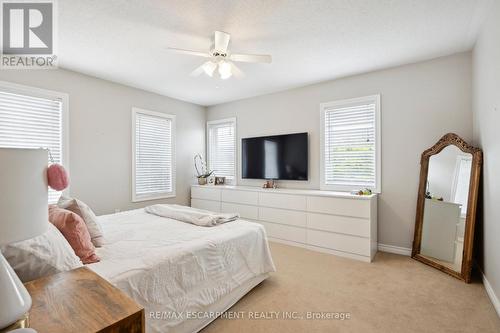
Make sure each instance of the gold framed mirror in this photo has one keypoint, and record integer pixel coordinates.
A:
(446, 206)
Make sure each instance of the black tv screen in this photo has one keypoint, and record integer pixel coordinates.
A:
(282, 157)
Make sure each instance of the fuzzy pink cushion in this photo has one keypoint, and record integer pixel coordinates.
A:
(57, 177)
(75, 231)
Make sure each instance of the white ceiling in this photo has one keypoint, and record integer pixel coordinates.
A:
(126, 40)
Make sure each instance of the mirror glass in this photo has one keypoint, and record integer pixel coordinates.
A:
(445, 207)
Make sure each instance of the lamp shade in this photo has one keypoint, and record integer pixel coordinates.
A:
(24, 194)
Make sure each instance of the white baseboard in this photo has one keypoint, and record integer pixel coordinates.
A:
(404, 251)
(491, 294)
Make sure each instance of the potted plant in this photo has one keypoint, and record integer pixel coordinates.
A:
(202, 171)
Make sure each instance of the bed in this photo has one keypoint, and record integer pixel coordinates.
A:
(184, 275)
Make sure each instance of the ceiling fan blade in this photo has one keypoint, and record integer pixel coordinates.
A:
(190, 52)
(238, 73)
(251, 58)
(221, 41)
(207, 67)
(198, 71)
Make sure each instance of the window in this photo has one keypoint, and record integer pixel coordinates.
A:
(350, 144)
(34, 118)
(221, 148)
(153, 155)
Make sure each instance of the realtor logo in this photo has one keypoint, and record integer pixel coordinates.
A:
(27, 28)
(28, 34)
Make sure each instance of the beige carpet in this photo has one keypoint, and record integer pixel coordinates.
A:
(392, 294)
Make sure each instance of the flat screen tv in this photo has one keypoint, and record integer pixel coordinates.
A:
(282, 157)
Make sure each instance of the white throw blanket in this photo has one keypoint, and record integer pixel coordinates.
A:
(191, 215)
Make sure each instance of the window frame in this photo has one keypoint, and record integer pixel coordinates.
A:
(210, 123)
(21, 89)
(172, 118)
(324, 107)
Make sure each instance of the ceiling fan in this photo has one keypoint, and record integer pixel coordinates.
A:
(221, 59)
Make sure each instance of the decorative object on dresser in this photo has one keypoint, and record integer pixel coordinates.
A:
(23, 215)
(270, 184)
(82, 301)
(332, 222)
(220, 180)
(202, 171)
(446, 206)
(211, 180)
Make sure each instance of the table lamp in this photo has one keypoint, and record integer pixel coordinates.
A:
(23, 215)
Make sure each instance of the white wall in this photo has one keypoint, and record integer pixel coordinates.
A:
(100, 135)
(486, 87)
(420, 103)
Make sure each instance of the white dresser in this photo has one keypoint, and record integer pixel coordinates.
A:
(333, 222)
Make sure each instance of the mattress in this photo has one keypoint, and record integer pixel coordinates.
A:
(175, 269)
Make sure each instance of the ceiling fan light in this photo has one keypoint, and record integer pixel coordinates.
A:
(225, 70)
(226, 76)
(209, 68)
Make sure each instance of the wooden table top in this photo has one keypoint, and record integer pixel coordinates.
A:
(78, 301)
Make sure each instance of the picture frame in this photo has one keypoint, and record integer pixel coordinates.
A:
(211, 181)
(220, 180)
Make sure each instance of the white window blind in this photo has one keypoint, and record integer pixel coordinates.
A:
(222, 148)
(32, 122)
(153, 165)
(350, 144)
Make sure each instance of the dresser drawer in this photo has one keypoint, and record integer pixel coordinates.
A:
(242, 197)
(248, 212)
(283, 216)
(287, 201)
(345, 243)
(206, 193)
(213, 206)
(339, 206)
(343, 224)
(285, 232)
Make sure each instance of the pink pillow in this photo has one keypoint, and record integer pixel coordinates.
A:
(57, 177)
(75, 231)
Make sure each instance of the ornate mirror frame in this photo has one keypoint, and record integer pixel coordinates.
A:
(477, 159)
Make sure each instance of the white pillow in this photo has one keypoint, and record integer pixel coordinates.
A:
(81, 209)
(47, 254)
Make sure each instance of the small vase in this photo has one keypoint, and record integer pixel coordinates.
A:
(202, 181)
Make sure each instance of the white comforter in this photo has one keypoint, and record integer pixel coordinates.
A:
(174, 267)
